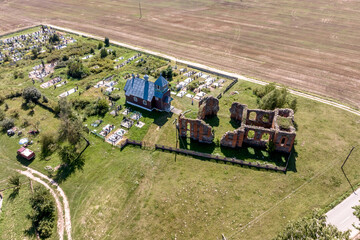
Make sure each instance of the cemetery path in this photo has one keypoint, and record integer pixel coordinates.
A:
(64, 215)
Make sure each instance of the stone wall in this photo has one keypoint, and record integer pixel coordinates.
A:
(198, 129)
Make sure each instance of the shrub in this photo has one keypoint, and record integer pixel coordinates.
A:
(48, 144)
(100, 46)
(54, 39)
(103, 53)
(107, 42)
(76, 69)
(7, 123)
(31, 94)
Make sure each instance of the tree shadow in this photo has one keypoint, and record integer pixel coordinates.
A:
(212, 121)
(65, 171)
(14, 194)
(31, 231)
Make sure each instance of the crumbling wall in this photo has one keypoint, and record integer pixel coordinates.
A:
(233, 139)
(263, 118)
(258, 140)
(208, 106)
(265, 122)
(237, 111)
(198, 129)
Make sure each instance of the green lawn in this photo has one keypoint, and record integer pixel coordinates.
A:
(144, 194)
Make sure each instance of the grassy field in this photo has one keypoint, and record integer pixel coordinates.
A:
(309, 45)
(145, 194)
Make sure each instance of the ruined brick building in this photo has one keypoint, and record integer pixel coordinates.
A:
(257, 127)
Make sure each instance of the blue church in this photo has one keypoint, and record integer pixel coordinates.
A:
(148, 95)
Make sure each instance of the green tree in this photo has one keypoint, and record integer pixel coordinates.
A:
(54, 39)
(103, 53)
(107, 42)
(357, 214)
(313, 227)
(31, 94)
(43, 212)
(7, 123)
(100, 46)
(14, 182)
(48, 144)
(76, 69)
(92, 51)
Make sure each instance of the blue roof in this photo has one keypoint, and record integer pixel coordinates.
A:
(161, 81)
(139, 88)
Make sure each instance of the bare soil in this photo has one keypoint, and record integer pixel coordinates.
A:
(308, 45)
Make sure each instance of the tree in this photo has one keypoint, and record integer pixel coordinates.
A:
(48, 144)
(313, 227)
(100, 46)
(35, 53)
(54, 39)
(103, 53)
(7, 123)
(107, 42)
(43, 212)
(14, 182)
(92, 51)
(31, 94)
(76, 69)
(357, 214)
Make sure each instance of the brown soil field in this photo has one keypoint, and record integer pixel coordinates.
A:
(310, 45)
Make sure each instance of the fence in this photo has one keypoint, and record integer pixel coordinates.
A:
(209, 156)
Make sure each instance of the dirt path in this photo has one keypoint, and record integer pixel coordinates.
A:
(60, 222)
(241, 77)
(63, 208)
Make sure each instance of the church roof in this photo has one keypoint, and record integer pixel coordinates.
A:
(139, 88)
(161, 81)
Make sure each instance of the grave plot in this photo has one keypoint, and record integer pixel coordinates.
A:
(52, 82)
(40, 72)
(116, 137)
(127, 123)
(67, 93)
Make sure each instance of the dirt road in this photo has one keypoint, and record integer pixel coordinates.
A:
(64, 220)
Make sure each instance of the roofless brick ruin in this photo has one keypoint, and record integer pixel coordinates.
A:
(257, 127)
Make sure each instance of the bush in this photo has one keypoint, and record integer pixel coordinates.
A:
(31, 94)
(7, 123)
(48, 144)
(76, 69)
(100, 46)
(107, 42)
(103, 53)
(54, 39)
(100, 108)
(43, 211)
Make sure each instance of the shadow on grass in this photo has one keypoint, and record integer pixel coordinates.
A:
(24, 161)
(235, 124)
(66, 171)
(212, 121)
(292, 161)
(160, 118)
(14, 194)
(30, 232)
(189, 144)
